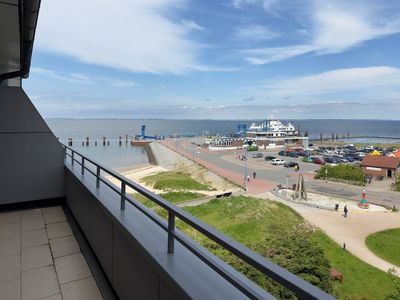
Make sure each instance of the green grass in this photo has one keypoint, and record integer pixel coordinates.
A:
(172, 181)
(385, 244)
(360, 280)
(259, 224)
(173, 197)
(352, 174)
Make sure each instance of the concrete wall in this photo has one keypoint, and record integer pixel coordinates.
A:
(31, 159)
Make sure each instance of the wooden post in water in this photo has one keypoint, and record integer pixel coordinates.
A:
(333, 136)
(126, 138)
(87, 141)
(320, 136)
(104, 140)
(83, 143)
(108, 143)
(120, 141)
(337, 136)
(95, 143)
(348, 133)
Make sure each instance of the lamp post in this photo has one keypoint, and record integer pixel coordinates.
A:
(245, 169)
(326, 175)
(287, 181)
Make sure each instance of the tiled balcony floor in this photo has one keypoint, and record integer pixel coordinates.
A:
(41, 259)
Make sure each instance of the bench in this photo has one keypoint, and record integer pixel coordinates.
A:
(219, 196)
(336, 275)
(227, 194)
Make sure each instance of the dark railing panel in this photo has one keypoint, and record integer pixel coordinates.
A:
(300, 287)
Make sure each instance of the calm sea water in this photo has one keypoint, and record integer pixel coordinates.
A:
(126, 155)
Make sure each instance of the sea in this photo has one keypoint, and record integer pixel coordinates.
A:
(126, 156)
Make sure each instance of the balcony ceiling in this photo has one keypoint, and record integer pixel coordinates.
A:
(17, 30)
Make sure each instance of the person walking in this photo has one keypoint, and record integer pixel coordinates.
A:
(345, 210)
(248, 178)
(254, 175)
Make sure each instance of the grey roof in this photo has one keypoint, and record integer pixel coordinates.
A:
(18, 19)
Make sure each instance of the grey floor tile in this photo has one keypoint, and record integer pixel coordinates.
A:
(10, 217)
(7, 230)
(31, 213)
(52, 209)
(57, 230)
(34, 238)
(39, 283)
(54, 217)
(71, 267)
(10, 268)
(10, 245)
(55, 297)
(32, 223)
(82, 289)
(64, 246)
(10, 290)
(36, 257)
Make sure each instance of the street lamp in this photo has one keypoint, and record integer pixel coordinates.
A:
(245, 169)
(326, 175)
(287, 181)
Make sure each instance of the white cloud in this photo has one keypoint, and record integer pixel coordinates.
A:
(82, 78)
(190, 24)
(267, 4)
(336, 26)
(72, 77)
(255, 32)
(133, 35)
(371, 82)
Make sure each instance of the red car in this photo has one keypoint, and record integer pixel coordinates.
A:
(318, 161)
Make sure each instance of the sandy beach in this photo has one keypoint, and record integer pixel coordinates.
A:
(165, 159)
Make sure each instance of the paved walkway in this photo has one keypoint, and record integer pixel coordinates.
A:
(352, 230)
(41, 259)
(254, 186)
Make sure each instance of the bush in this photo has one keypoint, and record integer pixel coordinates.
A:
(344, 172)
(395, 295)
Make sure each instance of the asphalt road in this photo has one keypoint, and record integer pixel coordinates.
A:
(280, 175)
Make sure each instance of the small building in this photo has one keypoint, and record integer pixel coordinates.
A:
(376, 165)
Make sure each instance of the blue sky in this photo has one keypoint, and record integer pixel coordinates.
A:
(226, 59)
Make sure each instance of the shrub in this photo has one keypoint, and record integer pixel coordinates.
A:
(343, 171)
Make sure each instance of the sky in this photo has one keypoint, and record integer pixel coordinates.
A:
(217, 59)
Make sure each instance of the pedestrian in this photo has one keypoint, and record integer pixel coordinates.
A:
(298, 168)
(254, 175)
(345, 211)
(248, 178)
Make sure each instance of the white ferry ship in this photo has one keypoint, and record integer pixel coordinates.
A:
(271, 128)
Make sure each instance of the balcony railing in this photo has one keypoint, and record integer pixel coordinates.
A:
(298, 286)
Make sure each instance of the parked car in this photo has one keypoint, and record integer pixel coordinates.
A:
(269, 157)
(318, 161)
(308, 159)
(281, 153)
(293, 154)
(290, 164)
(258, 155)
(278, 161)
(349, 158)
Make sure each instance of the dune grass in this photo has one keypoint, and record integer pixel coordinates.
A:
(386, 244)
(175, 181)
(261, 224)
(360, 280)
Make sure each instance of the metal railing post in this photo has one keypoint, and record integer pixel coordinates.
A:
(97, 177)
(123, 192)
(83, 165)
(72, 156)
(171, 231)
